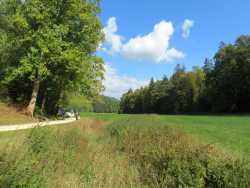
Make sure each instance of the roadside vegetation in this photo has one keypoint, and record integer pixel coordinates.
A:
(125, 151)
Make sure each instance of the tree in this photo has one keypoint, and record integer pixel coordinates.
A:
(179, 94)
(222, 85)
(124, 102)
(228, 81)
(51, 41)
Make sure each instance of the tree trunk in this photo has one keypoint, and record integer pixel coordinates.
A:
(43, 103)
(32, 104)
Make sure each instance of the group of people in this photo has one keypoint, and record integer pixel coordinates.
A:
(73, 113)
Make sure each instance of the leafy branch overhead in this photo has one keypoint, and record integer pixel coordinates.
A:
(51, 41)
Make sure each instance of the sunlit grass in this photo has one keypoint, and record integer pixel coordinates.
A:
(112, 150)
(228, 132)
(9, 116)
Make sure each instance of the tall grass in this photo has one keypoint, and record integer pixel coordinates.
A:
(76, 155)
(166, 157)
(44, 159)
(134, 151)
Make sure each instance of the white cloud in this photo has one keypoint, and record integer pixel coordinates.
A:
(186, 28)
(111, 37)
(152, 47)
(116, 84)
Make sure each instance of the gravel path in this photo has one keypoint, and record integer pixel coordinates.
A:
(4, 128)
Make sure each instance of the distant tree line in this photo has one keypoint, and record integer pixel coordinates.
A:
(222, 85)
(99, 104)
(105, 104)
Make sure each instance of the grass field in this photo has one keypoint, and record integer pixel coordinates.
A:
(228, 132)
(104, 116)
(137, 151)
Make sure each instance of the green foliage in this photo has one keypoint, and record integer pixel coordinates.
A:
(105, 104)
(99, 104)
(222, 85)
(77, 102)
(179, 94)
(53, 42)
(228, 82)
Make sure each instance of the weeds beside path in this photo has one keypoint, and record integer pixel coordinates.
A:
(75, 155)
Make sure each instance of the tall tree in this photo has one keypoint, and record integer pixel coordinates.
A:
(229, 79)
(52, 41)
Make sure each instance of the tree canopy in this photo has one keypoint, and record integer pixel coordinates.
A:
(48, 48)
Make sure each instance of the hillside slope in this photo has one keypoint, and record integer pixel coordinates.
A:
(10, 115)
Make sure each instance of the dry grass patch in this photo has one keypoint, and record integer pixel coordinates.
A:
(10, 115)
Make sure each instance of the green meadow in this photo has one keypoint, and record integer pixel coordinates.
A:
(228, 132)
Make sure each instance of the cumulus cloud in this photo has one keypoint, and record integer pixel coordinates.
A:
(186, 28)
(116, 84)
(113, 39)
(153, 47)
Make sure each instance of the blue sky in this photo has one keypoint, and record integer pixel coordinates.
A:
(148, 40)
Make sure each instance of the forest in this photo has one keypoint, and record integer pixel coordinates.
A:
(222, 85)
